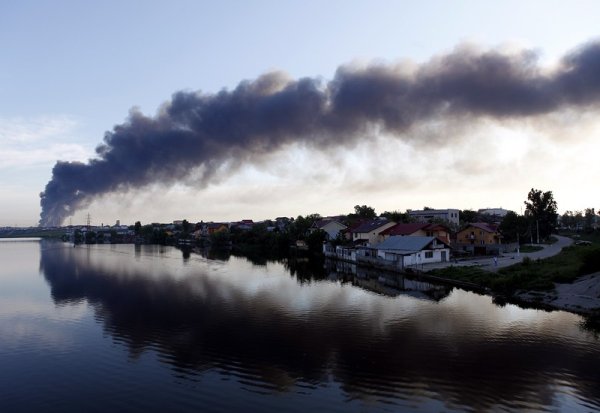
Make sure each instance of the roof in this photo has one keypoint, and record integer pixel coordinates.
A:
(371, 225)
(483, 226)
(432, 211)
(323, 222)
(214, 225)
(411, 228)
(409, 244)
(405, 229)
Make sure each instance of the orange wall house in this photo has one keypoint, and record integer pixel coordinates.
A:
(479, 233)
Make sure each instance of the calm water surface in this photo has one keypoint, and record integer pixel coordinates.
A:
(145, 328)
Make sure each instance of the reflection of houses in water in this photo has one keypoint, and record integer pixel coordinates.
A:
(397, 253)
(385, 283)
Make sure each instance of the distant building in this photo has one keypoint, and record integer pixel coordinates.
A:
(243, 225)
(499, 212)
(431, 215)
(211, 228)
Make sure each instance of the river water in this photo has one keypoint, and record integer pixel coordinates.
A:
(148, 328)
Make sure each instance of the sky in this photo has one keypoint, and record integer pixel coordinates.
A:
(72, 70)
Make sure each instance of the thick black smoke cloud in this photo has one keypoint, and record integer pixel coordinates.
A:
(204, 133)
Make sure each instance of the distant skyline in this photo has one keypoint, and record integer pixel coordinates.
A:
(70, 71)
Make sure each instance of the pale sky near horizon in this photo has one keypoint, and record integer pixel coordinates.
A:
(71, 70)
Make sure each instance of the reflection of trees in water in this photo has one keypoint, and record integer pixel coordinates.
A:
(201, 323)
(591, 323)
(220, 254)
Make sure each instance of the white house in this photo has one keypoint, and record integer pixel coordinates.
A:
(408, 252)
(331, 227)
(339, 252)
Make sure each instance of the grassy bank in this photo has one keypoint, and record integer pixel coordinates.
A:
(530, 248)
(32, 233)
(565, 267)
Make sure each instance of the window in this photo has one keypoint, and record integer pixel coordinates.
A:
(428, 254)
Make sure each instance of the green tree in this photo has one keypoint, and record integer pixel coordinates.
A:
(137, 227)
(468, 216)
(78, 236)
(90, 237)
(396, 216)
(185, 227)
(590, 216)
(299, 228)
(513, 227)
(315, 241)
(364, 211)
(541, 212)
(567, 219)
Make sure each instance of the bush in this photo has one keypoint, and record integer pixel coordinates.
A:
(591, 261)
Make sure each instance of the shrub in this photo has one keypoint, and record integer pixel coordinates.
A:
(591, 261)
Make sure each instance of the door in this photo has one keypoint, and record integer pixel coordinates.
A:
(444, 258)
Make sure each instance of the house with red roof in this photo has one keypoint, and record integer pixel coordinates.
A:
(417, 229)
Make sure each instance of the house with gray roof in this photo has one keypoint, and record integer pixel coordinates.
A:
(369, 231)
(407, 252)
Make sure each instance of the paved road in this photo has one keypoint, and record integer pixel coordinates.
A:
(506, 259)
(549, 250)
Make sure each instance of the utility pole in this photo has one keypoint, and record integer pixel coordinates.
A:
(530, 234)
(89, 220)
(537, 223)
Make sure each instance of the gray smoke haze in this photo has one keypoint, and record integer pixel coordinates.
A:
(203, 132)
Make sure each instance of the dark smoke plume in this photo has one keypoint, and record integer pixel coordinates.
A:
(202, 133)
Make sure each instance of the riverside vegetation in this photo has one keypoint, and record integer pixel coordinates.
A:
(565, 267)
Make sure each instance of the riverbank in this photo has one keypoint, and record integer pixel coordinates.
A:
(557, 277)
(582, 296)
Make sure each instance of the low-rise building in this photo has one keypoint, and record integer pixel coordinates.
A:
(479, 238)
(431, 215)
(417, 229)
(410, 252)
(214, 227)
(368, 232)
(498, 212)
(331, 227)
